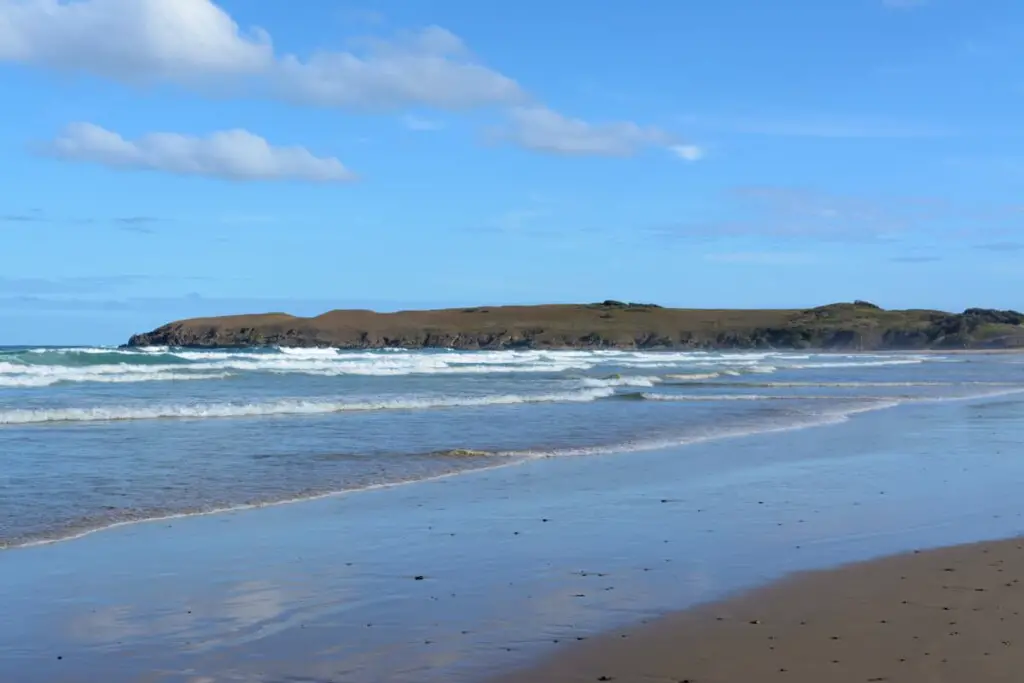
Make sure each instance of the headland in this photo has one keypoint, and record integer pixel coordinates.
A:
(858, 326)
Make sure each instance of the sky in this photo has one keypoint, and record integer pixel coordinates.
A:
(162, 159)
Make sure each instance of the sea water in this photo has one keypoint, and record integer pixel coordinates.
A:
(94, 437)
(593, 491)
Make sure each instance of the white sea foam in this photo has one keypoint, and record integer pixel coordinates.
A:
(622, 381)
(829, 416)
(994, 392)
(282, 407)
(854, 385)
(404, 367)
(703, 398)
(50, 380)
(25, 375)
(695, 376)
(309, 352)
(65, 350)
(43, 367)
(861, 364)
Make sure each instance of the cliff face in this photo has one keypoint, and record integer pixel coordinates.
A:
(611, 324)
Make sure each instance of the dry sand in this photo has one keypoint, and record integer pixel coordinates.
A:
(952, 615)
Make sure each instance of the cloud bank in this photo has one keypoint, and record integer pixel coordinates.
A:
(197, 43)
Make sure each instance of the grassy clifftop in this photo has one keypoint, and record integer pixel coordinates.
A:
(609, 324)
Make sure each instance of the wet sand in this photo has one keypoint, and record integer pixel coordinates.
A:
(950, 615)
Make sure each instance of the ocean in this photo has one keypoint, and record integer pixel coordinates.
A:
(499, 505)
(94, 437)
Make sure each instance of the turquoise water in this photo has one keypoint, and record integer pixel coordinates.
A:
(91, 437)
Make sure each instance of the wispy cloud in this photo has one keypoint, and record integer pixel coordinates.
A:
(687, 152)
(163, 309)
(40, 216)
(762, 258)
(31, 286)
(232, 154)
(817, 126)
(1004, 247)
(138, 220)
(915, 258)
(517, 220)
(355, 15)
(21, 218)
(419, 123)
(196, 43)
(806, 214)
(143, 225)
(541, 129)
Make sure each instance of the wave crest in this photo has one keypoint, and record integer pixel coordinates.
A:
(282, 407)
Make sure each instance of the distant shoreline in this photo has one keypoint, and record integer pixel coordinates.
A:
(847, 327)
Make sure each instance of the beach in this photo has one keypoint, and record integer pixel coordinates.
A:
(483, 573)
(525, 342)
(952, 614)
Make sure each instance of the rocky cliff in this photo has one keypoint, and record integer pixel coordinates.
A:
(610, 324)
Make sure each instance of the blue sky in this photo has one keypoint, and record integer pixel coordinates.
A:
(169, 158)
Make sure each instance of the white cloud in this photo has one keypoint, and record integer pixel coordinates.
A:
(198, 45)
(687, 152)
(231, 154)
(131, 40)
(196, 42)
(431, 67)
(419, 123)
(544, 130)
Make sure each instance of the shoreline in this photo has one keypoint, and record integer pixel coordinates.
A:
(947, 614)
(515, 458)
(459, 579)
(824, 351)
(234, 509)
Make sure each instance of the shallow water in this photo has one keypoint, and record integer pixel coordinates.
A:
(514, 561)
(92, 437)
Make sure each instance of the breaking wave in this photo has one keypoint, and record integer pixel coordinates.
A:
(861, 364)
(41, 367)
(706, 398)
(46, 380)
(281, 407)
(620, 381)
